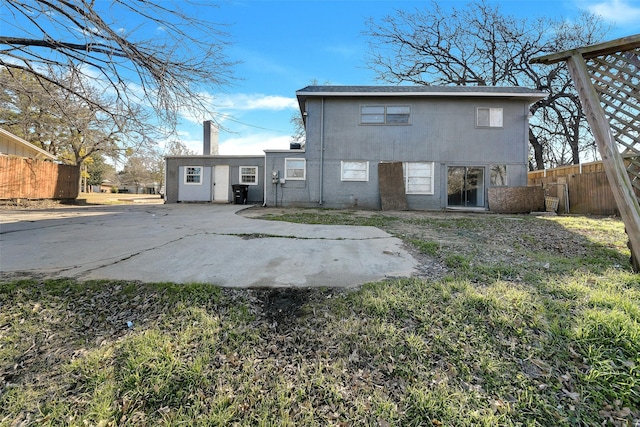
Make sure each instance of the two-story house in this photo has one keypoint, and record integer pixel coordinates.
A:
(454, 143)
(451, 143)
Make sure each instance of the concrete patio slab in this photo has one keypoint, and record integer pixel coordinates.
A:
(185, 243)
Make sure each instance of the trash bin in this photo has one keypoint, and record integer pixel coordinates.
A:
(240, 193)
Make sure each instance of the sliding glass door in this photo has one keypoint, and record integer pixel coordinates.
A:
(465, 186)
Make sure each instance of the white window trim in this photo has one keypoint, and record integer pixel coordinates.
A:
(492, 112)
(201, 174)
(406, 179)
(304, 169)
(240, 175)
(342, 178)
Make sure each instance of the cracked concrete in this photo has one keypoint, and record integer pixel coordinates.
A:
(185, 243)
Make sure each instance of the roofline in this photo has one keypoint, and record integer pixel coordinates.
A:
(427, 94)
(28, 145)
(214, 156)
(284, 150)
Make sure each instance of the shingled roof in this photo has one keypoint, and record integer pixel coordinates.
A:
(421, 91)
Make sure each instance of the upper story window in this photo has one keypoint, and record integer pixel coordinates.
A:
(295, 169)
(385, 114)
(249, 175)
(489, 117)
(193, 175)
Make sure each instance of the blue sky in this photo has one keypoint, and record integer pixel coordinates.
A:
(284, 45)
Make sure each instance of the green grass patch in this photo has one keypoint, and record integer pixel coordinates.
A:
(538, 327)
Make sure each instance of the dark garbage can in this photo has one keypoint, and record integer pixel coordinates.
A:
(240, 193)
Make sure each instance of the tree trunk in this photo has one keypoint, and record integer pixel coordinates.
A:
(537, 150)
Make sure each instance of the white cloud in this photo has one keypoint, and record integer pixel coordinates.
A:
(619, 11)
(250, 145)
(232, 106)
(254, 144)
(245, 102)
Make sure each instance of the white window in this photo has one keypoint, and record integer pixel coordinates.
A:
(418, 177)
(381, 114)
(354, 171)
(193, 175)
(249, 175)
(489, 117)
(498, 175)
(295, 169)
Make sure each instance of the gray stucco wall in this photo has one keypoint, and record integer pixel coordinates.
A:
(174, 182)
(440, 130)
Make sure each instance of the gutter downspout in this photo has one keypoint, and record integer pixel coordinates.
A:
(321, 150)
(264, 193)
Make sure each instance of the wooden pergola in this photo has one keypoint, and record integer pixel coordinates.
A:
(607, 78)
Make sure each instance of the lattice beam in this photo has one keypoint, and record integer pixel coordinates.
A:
(607, 78)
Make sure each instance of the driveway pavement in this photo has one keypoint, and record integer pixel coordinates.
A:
(185, 243)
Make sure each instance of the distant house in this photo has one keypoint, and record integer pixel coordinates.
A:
(29, 172)
(12, 145)
(452, 145)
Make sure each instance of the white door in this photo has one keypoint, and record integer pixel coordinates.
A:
(221, 183)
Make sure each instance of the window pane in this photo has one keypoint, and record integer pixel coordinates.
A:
(193, 175)
(355, 171)
(398, 114)
(375, 109)
(248, 174)
(495, 119)
(483, 117)
(372, 114)
(295, 164)
(398, 109)
(295, 168)
(419, 178)
(397, 118)
(498, 175)
(372, 118)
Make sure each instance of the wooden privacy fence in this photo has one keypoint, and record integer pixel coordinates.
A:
(22, 178)
(565, 170)
(588, 191)
(578, 193)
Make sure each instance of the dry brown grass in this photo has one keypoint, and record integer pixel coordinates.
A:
(118, 198)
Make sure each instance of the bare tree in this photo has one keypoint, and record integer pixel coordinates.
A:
(64, 124)
(299, 134)
(159, 54)
(478, 45)
(176, 147)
